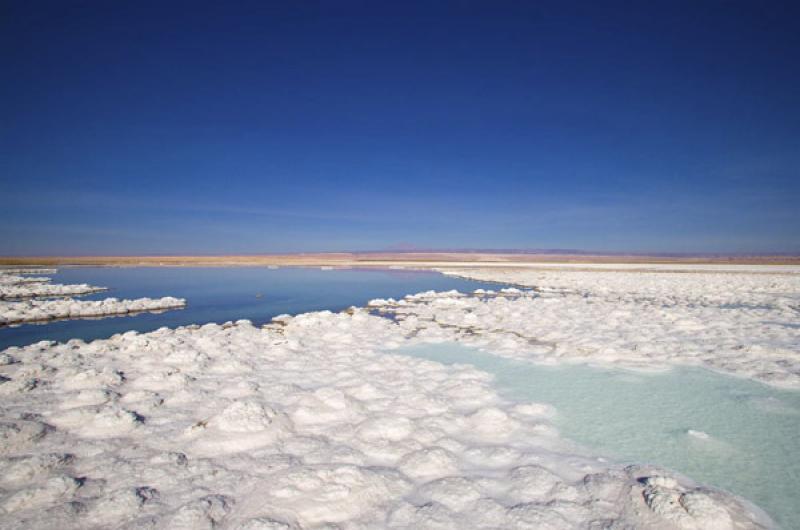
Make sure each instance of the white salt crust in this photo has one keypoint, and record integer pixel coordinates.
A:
(740, 323)
(305, 423)
(14, 279)
(27, 270)
(634, 267)
(43, 310)
(45, 290)
(15, 287)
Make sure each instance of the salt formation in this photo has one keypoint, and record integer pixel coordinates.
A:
(662, 267)
(13, 287)
(43, 310)
(305, 423)
(27, 270)
(45, 290)
(13, 279)
(742, 324)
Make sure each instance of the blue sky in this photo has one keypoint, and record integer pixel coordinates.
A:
(136, 127)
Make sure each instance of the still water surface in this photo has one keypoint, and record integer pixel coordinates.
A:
(219, 294)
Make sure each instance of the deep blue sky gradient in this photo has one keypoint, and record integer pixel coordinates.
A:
(169, 127)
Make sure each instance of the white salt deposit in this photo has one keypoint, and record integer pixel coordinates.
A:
(305, 424)
(14, 287)
(43, 310)
(744, 324)
(42, 290)
(698, 434)
(662, 267)
(26, 270)
(13, 279)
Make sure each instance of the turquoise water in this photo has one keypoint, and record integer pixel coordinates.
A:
(219, 294)
(753, 444)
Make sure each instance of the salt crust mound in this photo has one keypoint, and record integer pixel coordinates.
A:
(306, 423)
(13, 279)
(42, 310)
(741, 323)
(41, 289)
(13, 286)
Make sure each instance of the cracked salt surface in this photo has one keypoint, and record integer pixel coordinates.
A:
(730, 432)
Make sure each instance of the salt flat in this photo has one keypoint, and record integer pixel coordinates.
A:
(301, 425)
(741, 323)
(307, 423)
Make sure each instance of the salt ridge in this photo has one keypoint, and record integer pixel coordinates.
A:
(15, 287)
(44, 310)
(45, 290)
(13, 279)
(16, 306)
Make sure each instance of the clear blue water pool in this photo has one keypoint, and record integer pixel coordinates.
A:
(219, 294)
(729, 432)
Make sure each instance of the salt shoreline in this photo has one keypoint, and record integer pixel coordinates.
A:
(44, 310)
(26, 270)
(46, 290)
(13, 279)
(18, 304)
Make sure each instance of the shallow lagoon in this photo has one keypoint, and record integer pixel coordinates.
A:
(732, 433)
(219, 294)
